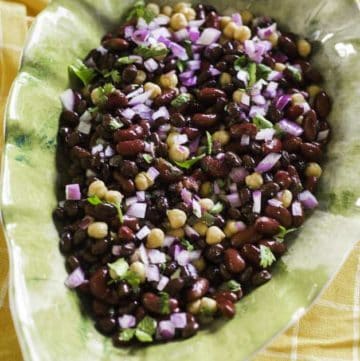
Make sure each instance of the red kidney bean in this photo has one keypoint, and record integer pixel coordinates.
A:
(310, 125)
(127, 185)
(217, 168)
(214, 253)
(152, 302)
(278, 248)
(99, 308)
(212, 20)
(311, 184)
(293, 112)
(231, 296)
(281, 214)
(123, 290)
(251, 253)
(116, 44)
(269, 190)
(311, 151)
(175, 286)
(130, 147)
(99, 247)
(131, 133)
(293, 173)
(226, 307)
(272, 146)
(203, 120)
(190, 329)
(168, 172)
(192, 133)
(233, 261)
(238, 130)
(298, 220)
(260, 278)
(165, 98)
(80, 153)
(126, 234)
(106, 325)
(69, 118)
(291, 144)
(287, 46)
(210, 94)
(267, 226)
(198, 289)
(322, 104)
(283, 179)
(115, 100)
(132, 223)
(248, 235)
(98, 283)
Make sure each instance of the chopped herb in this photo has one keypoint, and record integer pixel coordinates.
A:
(295, 72)
(232, 286)
(181, 65)
(150, 52)
(143, 336)
(176, 274)
(82, 72)
(221, 183)
(148, 158)
(126, 60)
(218, 208)
(209, 142)
(165, 304)
(283, 232)
(100, 95)
(93, 110)
(261, 122)
(118, 269)
(262, 71)
(114, 124)
(187, 244)
(251, 69)
(147, 325)
(133, 279)
(278, 131)
(141, 11)
(190, 162)
(94, 200)
(208, 218)
(114, 75)
(267, 258)
(188, 48)
(127, 334)
(181, 99)
(240, 63)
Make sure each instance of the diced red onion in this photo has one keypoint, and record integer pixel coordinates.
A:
(152, 273)
(234, 199)
(190, 232)
(84, 127)
(109, 151)
(153, 173)
(181, 35)
(86, 117)
(183, 258)
(128, 31)
(135, 93)
(217, 189)
(85, 222)
(257, 87)
(194, 65)
(196, 208)
(127, 321)
(116, 250)
(245, 100)
(264, 33)
(186, 196)
(137, 210)
(196, 23)
(131, 200)
(76, 278)
(209, 36)
(213, 71)
(237, 19)
(166, 330)
(68, 99)
(265, 134)
(243, 76)
(240, 226)
(169, 240)
(190, 82)
(140, 196)
(161, 32)
(151, 65)
(275, 76)
(143, 255)
(164, 40)
(97, 148)
(233, 187)
(149, 148)
(270, 90)
(143, 111)
(305, 107)
(186, 75)
(257, 110)
(194, 34)
(283, 101)
(256, 50)
(274, 202)
(179, 319)
(155, 256)
(162, 112)
(183, 89)
(290, 127)
(143, 232)
(72, 192)
(162, 19)
(194, 145)
(245, 140)
(257, 201)
(308, 200)
(141, 23)
(268, 162)
(179, 51)
(323, 135)
(140, 36)
(238, 174)
(128, 113)
(139, 99)
(162, 283)
(296, 209)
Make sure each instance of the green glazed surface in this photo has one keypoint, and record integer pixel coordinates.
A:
(48, 319)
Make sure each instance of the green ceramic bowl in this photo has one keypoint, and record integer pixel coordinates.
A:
(47, 316)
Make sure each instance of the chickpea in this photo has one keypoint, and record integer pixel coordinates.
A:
(200, 264)
(169, 80)
(178, 21)
(139, 269)
(313, 170)
(237, 95)
(142, 181)
(221, 136)
(190, 14)
(224, 20)
(280, 67)
(304, 48)
(274, 38)
(214, 235)
(140, 77)
(313, 90)
(225, 79)
(297, 98)
(96, 96)
(177, 218)
(155, 238)
(205, 189)
(177, 233)
(97, 188)
(254, 180)
(154, 8)
(114, 197)
(200, 228)
(167, 10)
(97, 230)
(179, 7)
(179, 153)
(229, 29)
(153, 88)
(246, 16)
(286, 198)
(206, 203)
(194, 307)
(208, 305)
(163, 56)
(242, 33)
(231, 228)
(171, 139)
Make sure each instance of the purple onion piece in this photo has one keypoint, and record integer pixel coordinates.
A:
(166, 330)
(68, 99)
(308, 200)
(290, 127)
(179, 320)
(72, 192)
(127, 321)
(268, 162)
(76, 278)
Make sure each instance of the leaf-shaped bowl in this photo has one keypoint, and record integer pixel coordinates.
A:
(47, 316)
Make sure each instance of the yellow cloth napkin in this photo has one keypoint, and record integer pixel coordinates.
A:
(328, 332)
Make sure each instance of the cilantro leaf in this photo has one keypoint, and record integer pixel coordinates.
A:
(232, 286)
(240, 62)
(181, 65)
(147, 325)
(143, 336)
(148, 158)
(261, 122)
(295, 72)
(218, 208)
(94, 200)
(267, 258)
(164, 303)
(180, 100)
(120, 213)
(114, 75)
(188, 48)
(190, 162)
(251, 69)
(82, 72)
(114, 124)
(118, 269)
(209, 142)
(132, 278)
(262, 71)
(126, 60)
(187, 244)
(208, 218)
(140, 11)
(283, 232)
(127, 334)
(150, 52)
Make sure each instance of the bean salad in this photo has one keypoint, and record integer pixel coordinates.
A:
(189, 147)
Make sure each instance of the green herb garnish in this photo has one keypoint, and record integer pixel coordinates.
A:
(190, 162)
(295, 72)
(114, 75)
(231, 286)
(240, 63)
(151, 52)
(261, 122)
(165, 304)
(209, 142)
(188, 48)
(82, 72)
(218, 208)
(127, 334)
(120, 213)
(187, 244)
(181, 65)
(262, 71)
(283, 232)
(267, 258)
(126, 60)
(251, 69)
(94, 200)
(208, 218)
(114, 124)
(118, 269)
(148, 158)
(141, 11)
(147, 325)
(180, 100)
